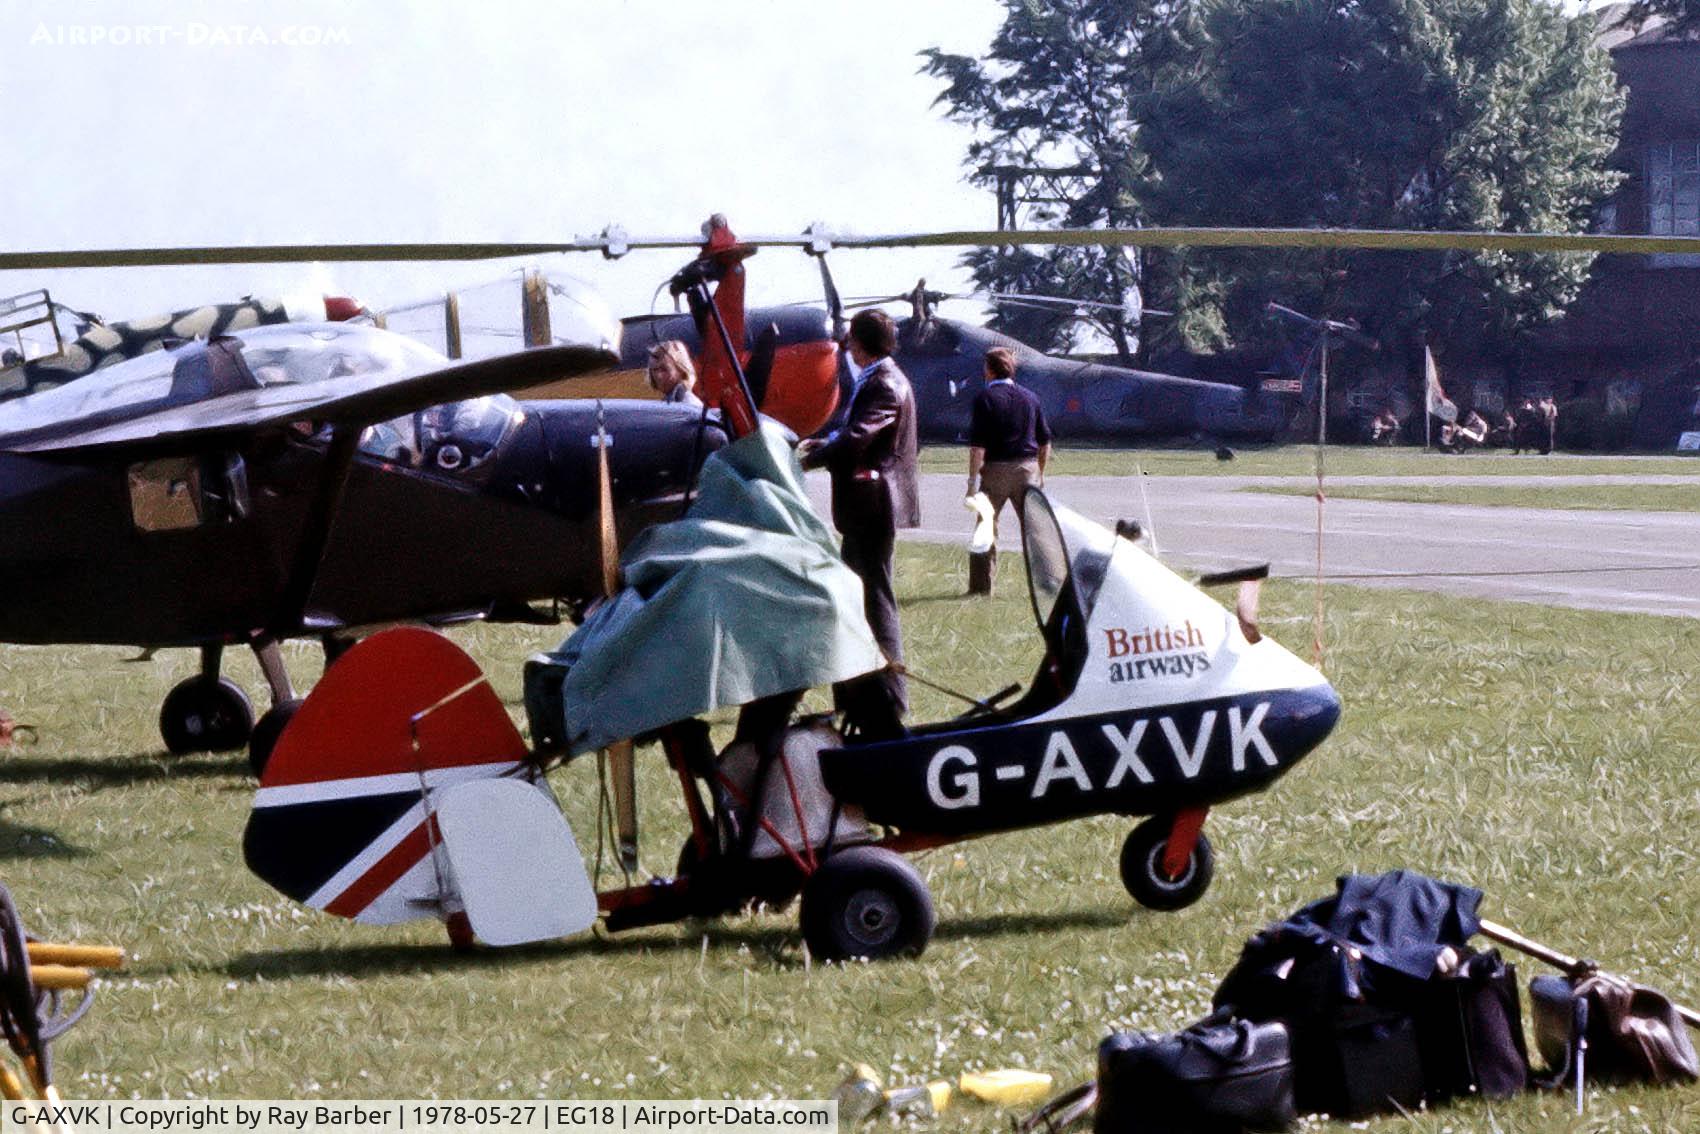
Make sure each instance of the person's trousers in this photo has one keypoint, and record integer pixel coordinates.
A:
(869, 554)
(1001, 481)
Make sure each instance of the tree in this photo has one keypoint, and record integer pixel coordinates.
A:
(1396, 114)
(1063, 86)
(1428, 114)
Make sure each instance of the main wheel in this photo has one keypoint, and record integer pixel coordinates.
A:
(272, 723)
(205, 715)
(866, 902)
(1143, 874)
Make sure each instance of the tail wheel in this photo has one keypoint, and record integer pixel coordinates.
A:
(272, 723)
(1145, 878)
(204, 714)
(866, 902)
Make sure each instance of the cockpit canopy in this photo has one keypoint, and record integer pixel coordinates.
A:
(259, 359)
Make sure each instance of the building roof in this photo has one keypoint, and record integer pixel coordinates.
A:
(1616, 35)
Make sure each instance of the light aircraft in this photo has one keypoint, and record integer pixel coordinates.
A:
(213, 480)
(309, 478)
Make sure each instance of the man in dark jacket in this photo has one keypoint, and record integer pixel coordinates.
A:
(874, 490)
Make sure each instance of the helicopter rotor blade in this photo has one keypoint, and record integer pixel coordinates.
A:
(613, 242)
(834, 304)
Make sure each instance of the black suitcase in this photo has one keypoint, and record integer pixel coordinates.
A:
(1220, 1076)
(1353, 1054)
(1470, 1027)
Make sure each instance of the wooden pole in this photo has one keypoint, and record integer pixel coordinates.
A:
(622, 755)
(1571, 966)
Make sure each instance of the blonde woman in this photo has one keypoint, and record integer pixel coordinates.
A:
(672, 375)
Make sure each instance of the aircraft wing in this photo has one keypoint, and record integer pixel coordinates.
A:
(354, 399)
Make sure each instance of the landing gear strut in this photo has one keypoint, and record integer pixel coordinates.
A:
(284, 702)
(211, 713)
(1167, 863)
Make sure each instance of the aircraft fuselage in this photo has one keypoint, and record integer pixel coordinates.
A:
(163, 553)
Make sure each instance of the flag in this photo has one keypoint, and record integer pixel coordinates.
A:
(1439, 405)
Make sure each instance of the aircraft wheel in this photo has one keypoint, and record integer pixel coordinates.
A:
(201, 715)
(1142, 868)
(272, 723)
(866, 902)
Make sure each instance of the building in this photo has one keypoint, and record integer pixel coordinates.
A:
(1624, 358)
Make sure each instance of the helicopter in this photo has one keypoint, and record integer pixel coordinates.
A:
(943, 359)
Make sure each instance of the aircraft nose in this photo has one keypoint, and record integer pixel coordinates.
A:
(1308, 716)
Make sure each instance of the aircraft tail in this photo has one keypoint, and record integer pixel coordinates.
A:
(401, 790)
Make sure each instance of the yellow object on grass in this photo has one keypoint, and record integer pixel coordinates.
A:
(1009, 1086)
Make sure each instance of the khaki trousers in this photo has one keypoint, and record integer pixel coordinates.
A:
(1002, 482)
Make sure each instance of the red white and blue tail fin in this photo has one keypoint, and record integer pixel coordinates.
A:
(358, 811)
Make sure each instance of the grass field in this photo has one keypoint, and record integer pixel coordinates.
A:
(1548, 756)
(1580, 497)
(1342, 460)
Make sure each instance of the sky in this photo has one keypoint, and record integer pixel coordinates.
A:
(174, 122)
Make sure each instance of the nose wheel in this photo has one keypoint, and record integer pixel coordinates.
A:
(205, 714)
(1158, 879)
(866, 902)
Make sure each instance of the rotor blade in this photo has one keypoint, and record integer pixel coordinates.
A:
(307, 253)
(1064, 301)
(834, 303)
(1383, 239)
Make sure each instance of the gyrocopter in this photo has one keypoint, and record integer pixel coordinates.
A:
(401, 789)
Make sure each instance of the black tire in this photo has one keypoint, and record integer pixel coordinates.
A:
(272, 723)
(201, 715)
(866, 902)
(1142, 868)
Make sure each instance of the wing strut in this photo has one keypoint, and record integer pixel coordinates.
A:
(291, 617)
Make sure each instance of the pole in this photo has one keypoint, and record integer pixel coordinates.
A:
(1316, 644)
(622, 765)
(1570, 966)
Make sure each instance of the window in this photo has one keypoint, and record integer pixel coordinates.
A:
(1673, 197)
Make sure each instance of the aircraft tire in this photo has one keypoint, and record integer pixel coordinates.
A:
(201, 715)
(866, 903)
(1142, 868)
(272, 723)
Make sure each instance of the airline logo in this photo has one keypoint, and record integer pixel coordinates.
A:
(1155, 651)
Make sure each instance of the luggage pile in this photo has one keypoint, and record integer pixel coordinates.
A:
(1372, 1002)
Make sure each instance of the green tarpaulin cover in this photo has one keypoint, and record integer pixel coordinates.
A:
(743, 598)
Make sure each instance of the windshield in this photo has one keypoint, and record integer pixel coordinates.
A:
(281, 355)
(1047, 555)
(460, 438)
